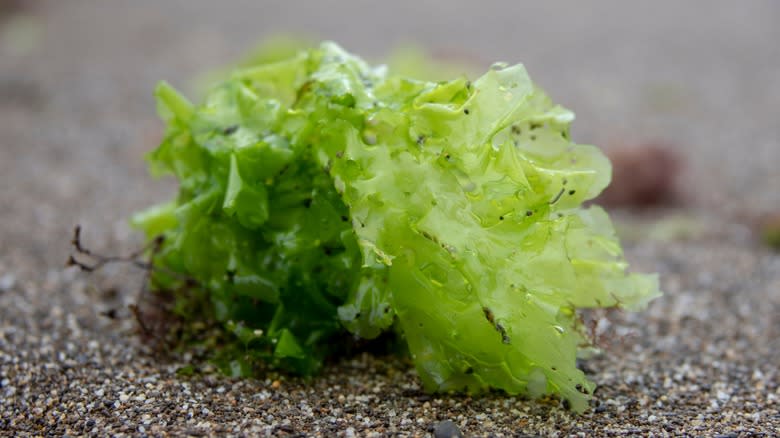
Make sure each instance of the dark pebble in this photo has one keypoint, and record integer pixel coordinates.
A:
(447, 429)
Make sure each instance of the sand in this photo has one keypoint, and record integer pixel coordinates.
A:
(76, 116)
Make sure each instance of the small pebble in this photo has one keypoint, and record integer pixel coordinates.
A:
(7, 282)
(447, 429)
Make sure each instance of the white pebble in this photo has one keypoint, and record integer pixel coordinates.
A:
(7, 282)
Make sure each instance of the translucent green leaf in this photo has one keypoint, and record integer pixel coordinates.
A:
(322, 199)
(249, 202)
(287, 346)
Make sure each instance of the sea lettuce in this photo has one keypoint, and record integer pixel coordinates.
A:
(323, 199)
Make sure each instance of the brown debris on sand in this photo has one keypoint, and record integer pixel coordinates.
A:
(643, 176)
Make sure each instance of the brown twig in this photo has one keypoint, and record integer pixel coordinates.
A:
(100, 260)
(97, 261)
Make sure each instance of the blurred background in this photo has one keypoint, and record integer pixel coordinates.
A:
(76, 81)
(684, 96)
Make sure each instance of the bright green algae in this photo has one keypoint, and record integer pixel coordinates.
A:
(321, 197)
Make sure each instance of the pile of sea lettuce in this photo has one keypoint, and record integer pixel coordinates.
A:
(323, 199)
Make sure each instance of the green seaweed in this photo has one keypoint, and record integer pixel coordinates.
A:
(322, 199)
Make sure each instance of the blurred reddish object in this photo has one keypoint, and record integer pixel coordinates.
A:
(642, 176)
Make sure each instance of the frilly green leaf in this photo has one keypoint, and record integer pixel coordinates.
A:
(321, 195)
